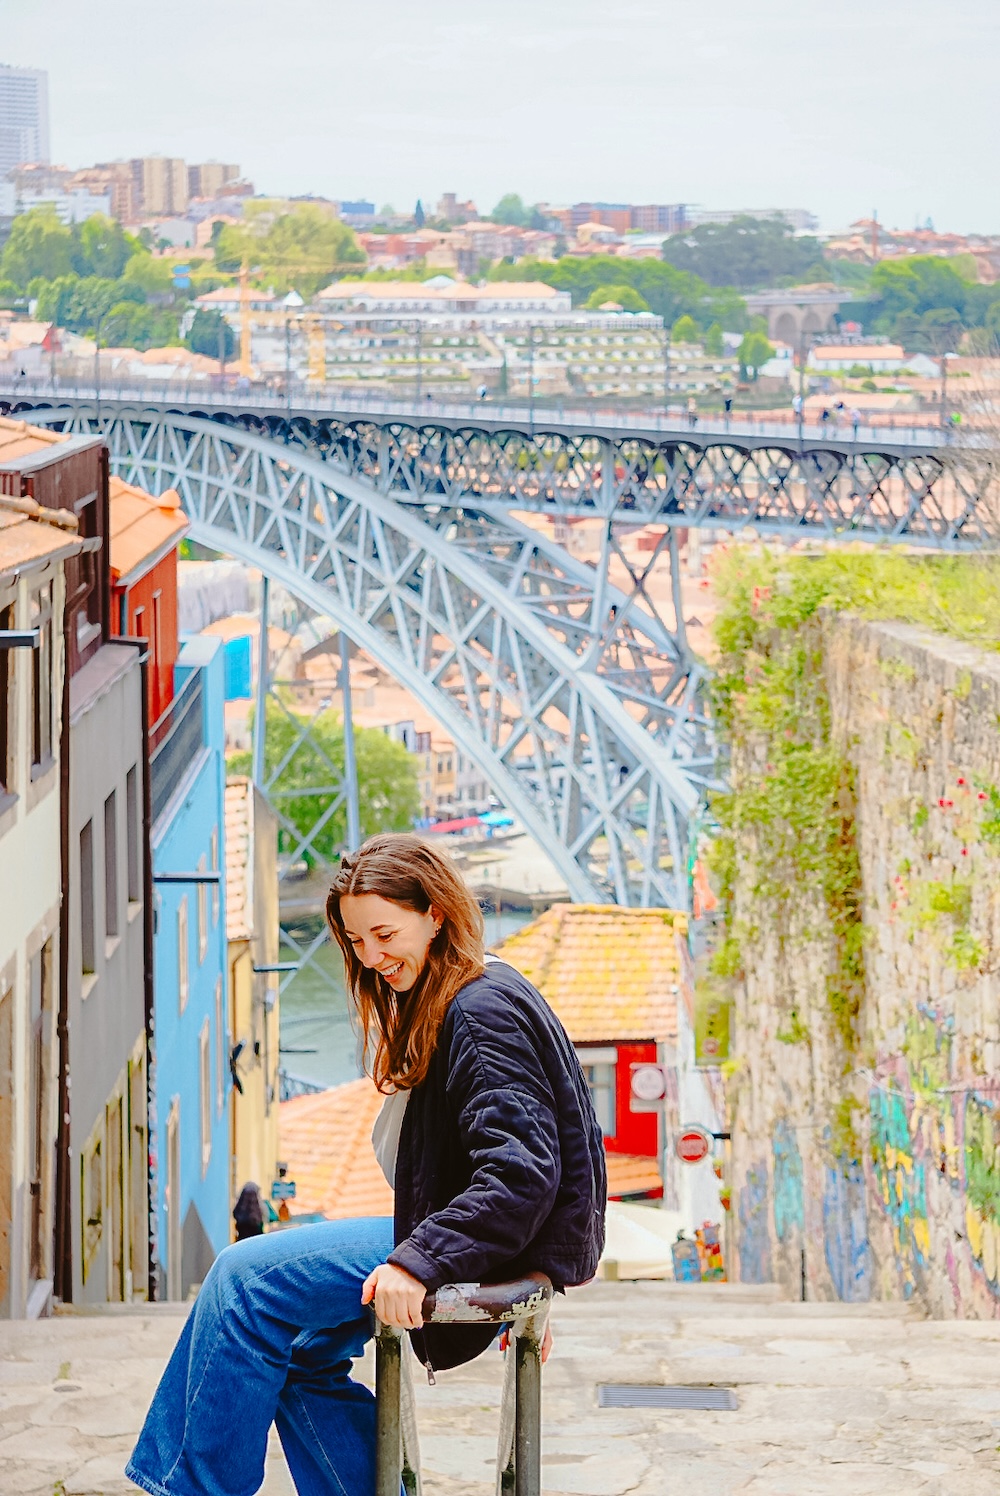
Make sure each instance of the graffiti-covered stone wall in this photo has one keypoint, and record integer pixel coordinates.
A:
(866, 1154)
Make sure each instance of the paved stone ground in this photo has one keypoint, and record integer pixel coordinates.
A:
(833, 1399)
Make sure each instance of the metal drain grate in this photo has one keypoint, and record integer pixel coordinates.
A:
(630, 1395)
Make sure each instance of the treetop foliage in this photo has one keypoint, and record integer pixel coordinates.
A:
(667, 291)
(303, 247)
(748, 253)
(388, 794)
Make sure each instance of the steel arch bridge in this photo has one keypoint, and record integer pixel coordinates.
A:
(580, 703)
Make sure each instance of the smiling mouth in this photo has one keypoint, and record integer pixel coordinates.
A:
(391, 971)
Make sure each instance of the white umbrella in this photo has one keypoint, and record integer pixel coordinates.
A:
(638, 1241)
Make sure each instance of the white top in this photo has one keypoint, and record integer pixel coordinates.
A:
(389, 1122)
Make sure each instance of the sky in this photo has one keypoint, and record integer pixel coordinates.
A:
(846, 108)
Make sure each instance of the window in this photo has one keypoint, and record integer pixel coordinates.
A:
(214, 844)
(41, 678)
(134, 862)
(205, 1071)
(202, 912)
(6, 724)
(111, 866)
(88, 939)
(599, 1068)
(220, 1049)
(182, 953)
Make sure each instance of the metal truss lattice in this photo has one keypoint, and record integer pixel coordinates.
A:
(578, 701)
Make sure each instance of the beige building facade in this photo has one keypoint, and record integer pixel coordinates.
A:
(251, 843)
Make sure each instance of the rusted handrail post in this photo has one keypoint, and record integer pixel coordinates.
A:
(525, 1304)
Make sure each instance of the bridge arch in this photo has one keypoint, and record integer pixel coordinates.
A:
(577, 703)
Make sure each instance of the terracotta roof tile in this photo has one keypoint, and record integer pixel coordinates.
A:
(610, 974)
(631, 1174)
(143, 528)
(326, 1140)
(25, 541)
(18, 439)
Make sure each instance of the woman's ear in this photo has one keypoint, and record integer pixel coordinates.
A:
(437, 916)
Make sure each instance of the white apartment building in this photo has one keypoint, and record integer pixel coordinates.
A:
(32, 598)
(24, 117)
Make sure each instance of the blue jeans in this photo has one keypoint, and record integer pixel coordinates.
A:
(270, 1340)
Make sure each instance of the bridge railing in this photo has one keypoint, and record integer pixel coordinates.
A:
(215, 394)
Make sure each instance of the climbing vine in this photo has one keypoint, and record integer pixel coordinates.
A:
(787, 843)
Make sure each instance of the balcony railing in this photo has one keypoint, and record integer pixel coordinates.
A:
(175, 740)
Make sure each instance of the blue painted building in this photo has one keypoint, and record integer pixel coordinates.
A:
(189, 1121)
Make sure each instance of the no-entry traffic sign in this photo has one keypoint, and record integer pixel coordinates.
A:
(692, 1144)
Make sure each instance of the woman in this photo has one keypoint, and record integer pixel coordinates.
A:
(490, 1138)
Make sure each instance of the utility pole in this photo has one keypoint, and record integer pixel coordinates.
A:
(260, 709)
(531, 380)
(420, 366)
(666, 370)
(350, 757)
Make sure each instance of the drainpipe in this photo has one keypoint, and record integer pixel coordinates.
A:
(63, 1242)
(142, 645)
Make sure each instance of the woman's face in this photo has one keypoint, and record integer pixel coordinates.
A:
(388, 938)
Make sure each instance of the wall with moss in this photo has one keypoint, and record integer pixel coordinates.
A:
(859, 863)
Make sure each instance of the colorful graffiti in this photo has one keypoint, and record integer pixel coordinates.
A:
(982, 1187)
(902, 1184)
(789, 1207)
(845, 1232)
(755, 1237)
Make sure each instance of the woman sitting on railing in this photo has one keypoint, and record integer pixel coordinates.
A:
(490, 1138)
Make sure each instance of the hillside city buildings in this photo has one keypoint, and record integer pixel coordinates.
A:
(121, 977)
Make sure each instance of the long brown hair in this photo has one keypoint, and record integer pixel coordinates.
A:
(401, 1029)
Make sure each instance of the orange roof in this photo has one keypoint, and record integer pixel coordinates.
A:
(631, 1174)
(610, 974)
(143, 529)
(26, 542)
(326, 1140)
(18, 439)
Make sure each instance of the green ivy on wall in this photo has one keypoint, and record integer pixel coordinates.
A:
(788, 819)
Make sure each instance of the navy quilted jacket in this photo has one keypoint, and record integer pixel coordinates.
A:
(501, 1163)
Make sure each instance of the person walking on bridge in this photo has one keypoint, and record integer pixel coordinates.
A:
(489, 1136)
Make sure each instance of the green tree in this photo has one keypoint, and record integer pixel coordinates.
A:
(101, 247)
(713, 344)
(388, 793)
(685, 330)
(749, 253)
(627, 297)
(39, 245)
(511, 209)
(304, 247)
(667, 291)
(150, 277)
(206, 330)
(754, 352)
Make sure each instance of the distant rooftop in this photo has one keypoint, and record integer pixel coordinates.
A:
(610, 974)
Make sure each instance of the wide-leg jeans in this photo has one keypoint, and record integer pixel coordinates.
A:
(270, 1340)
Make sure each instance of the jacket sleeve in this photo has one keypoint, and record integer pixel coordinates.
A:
(507, 1124)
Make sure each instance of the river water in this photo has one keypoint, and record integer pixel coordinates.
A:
(317, 1041)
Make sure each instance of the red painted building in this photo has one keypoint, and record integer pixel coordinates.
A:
(613, 976)
(145, 534)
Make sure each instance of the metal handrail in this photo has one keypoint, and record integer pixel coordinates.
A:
(523, 1303)
(250, 398)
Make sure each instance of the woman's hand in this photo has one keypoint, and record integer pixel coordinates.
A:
(396, 1296)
